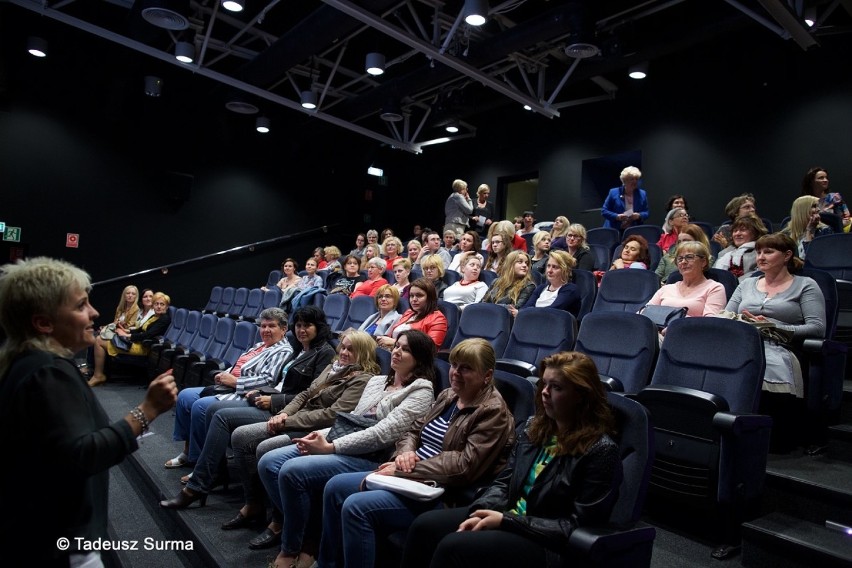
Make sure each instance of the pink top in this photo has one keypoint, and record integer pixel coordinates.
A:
(434, 325)
(706, 299)
(368, 287)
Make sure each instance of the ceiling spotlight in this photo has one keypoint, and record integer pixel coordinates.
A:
(153, 86)
(309, 99)
(375, 63)
(452, 127)
(234, 5)
(374, 171)
(527, 107)
(810, 16)
(391, 112)
(638, 71)
(185, 52)
(475, 12)
(262, 124)
(37, 46)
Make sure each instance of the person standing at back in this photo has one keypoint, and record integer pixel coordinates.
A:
(457, 210)
(626, 205)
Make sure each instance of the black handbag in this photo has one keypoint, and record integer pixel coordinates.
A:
(212, 390)
(347, 423)
(662, 316)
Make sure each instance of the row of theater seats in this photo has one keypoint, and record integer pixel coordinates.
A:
(241, 303)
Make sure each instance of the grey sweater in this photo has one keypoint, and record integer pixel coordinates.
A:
(800, 308)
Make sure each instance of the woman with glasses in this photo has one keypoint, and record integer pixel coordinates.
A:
(375, 279)
(576, 246)
(387, 300)
(433, 270)
(676, 220)
(698, 294)
(667, 263)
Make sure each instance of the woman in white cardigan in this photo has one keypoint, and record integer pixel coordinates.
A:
(295, 486)
(387, 300)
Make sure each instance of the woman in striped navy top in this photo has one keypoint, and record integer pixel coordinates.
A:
(461, 442)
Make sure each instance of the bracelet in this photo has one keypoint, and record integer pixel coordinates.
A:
(140, 417)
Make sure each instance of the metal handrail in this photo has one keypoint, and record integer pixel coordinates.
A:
(221, 254)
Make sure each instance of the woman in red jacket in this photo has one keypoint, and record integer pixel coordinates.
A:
(423, 315)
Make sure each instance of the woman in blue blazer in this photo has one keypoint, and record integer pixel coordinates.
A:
(626, 198)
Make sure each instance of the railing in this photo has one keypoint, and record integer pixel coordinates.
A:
(221, 254)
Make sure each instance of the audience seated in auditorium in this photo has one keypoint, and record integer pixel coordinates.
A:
(372, 237)
(557, 292)
(337, 389)
(700, 295)
(541, 248)
(153, 328)
(462, 442)
(414, 248)
(578, 247)
(513, 285)
(294, 476)
(497, 251)
(433, 270)
(794, 304)
(332, 258)
(634, 254)
(676, 220)
(740, 257)
(469, 289)
(260, 366)
(739, 206)
(387, 301)
(345, 282)
(527, 224)
(372, 250)
(815, 183)
(667, 263)
(677, 200)
(423, 315)
(559, 233)
(375, 278)
(311, 278)
(432, 247)
(319, 256)
(526, 516)
(360, 243)
(468, 242)
(289, 282)
(392, 248)
(805, 224)
(450, 238)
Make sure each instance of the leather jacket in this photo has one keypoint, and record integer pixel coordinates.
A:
(476, 446)
(306, 366)
(570, 491)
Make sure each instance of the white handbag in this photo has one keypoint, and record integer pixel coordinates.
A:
(417, 490)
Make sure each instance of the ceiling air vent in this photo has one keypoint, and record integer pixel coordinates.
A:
(581, 50)
(166, 14)
(241, 107)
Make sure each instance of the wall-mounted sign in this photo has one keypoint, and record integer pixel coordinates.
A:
(2, 226)
(72, 240)
(12, 234)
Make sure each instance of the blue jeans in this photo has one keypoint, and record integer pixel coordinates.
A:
(355, 519)
(217, 440)
(295, 486)
(191, 419)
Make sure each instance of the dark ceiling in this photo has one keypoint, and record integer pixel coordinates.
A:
(551, 55)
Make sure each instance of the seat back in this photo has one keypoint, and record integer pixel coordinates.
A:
(241, 295)
(336, 307)
(190, 327)
(606, 236)
(623, 345)
(539, 332)
(450, 277)
(224, 306)
(271, 298)
(273, 278)
(360, 308)
(651, 233)
(725, 277)
(243, 338)
(602, 255)
(442, 371)
(206, 329)
(176, 326)
(488, 276)
(221, 339)
(832, 253)
(528, 237)
(491, 322)
(625, 290)
(519, 394)
(588, 287)
(715, 355)
(832, 220)
(635, 438)
(453, 315)
(706, 227)
(213, 301)
(537, 277)
(383, 357)
(254, 305)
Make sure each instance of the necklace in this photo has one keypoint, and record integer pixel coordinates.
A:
(453, 412)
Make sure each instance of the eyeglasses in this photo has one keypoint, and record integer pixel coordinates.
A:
(384, 297)
(686, 258)
(570, 236)
(685, 215)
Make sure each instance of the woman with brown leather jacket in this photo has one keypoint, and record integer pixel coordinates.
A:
(462, 442)
(565, 472)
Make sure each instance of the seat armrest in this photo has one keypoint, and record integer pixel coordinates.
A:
(443, 354)
(738, 424)
(602, 543)
(611, 384)
(516, 366)
(823, 347)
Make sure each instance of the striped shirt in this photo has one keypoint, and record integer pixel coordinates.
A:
(433, 433)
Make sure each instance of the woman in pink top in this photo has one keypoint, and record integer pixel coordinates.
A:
(698, 294)
(423, 315)
(375, 280)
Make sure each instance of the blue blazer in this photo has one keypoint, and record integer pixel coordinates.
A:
(568, 298)
(614, 205)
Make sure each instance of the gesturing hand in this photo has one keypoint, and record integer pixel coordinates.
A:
(481, 520)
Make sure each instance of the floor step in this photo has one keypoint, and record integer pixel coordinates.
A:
(813, 488)
(785, 541)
